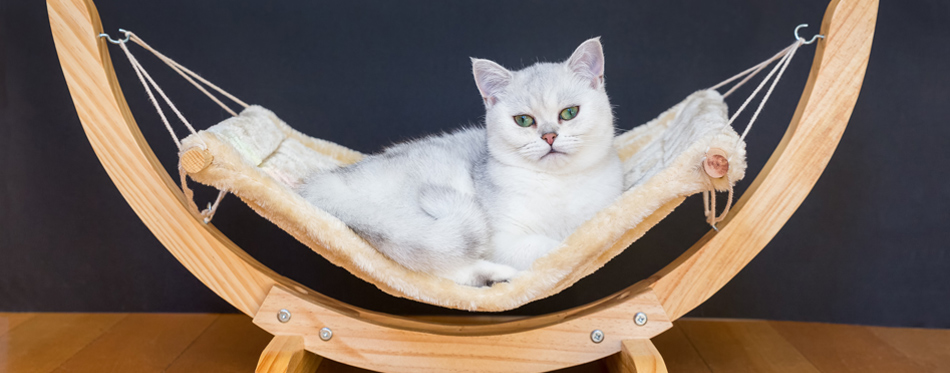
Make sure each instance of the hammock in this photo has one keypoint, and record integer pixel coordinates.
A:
(258, 157)
(688, 149)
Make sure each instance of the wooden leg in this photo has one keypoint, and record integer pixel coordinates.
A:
(286, 354)
(637, 356)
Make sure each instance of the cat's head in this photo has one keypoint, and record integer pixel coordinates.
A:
(551, 117)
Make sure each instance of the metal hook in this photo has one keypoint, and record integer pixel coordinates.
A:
(799, 38)
(113, 41)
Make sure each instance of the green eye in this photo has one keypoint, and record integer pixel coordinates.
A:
(570, 113)
(524, 120)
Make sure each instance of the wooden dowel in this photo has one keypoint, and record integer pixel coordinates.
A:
(716, 163)
(195, 159)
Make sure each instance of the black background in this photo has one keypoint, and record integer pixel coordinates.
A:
(869, 245)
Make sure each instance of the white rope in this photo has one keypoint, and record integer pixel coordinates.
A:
(162, 57)
(185, 72)
(151, 96)
(208, 213)
(147, 81)
(754, 70)
(141, 72)
(759, 88)
(787, 60)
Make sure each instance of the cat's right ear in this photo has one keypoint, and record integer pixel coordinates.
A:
(491, 79)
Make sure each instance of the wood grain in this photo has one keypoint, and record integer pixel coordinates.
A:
(41, 344)
(928, 347)
(637, 356)
(370, 346)
(678, 353)
(147, 342)
(716, 163)
(194, 160)
(230, 344)
(744, 346)
(286, 354)
(10, 320)
(812, 136)
(843, 349)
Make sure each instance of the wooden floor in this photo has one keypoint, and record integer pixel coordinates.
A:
(80, 342)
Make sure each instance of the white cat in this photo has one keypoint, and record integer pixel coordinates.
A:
(481, 204)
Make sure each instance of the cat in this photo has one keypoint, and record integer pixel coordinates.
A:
(481, 204)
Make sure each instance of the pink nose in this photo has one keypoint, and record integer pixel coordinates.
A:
(549, 137)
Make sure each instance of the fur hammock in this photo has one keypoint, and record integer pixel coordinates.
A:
(259, 158)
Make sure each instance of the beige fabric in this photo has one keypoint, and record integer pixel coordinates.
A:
(260, 158)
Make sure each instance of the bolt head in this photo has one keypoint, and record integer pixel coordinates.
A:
(597, 336)
(326, 334)
(283, 315)
(640, 319)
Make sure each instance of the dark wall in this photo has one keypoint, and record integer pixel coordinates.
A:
(869, 245)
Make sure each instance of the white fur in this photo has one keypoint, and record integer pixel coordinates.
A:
(541, 197)
(478, 205)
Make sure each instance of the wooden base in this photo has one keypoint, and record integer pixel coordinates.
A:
(499, 347)
(286, 354)
(637, 356)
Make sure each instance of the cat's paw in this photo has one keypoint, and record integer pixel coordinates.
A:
(484, 273)
(498, 273)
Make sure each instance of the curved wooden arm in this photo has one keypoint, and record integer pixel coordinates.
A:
(793, 169)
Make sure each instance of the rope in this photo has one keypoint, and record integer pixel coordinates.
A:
(148, 82)
(709, 201)
(140, 71)
(709, 206)
(151, 97)
(181, 70)
(208, 213)
(785, 58)
(759, 87)
(183, 75)
(753, 70)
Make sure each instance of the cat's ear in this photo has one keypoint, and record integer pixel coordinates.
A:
(588, 62)
(491, 78)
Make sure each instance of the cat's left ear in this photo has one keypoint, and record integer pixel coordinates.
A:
(588, 62)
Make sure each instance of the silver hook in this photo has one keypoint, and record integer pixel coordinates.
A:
(799, 38)
(113, 41)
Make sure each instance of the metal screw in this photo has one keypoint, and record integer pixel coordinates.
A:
(283, 315)
(597, 336)
(640, 319)
(326, 334)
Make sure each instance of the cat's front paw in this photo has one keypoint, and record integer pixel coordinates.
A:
(484, 273)
(498, 274)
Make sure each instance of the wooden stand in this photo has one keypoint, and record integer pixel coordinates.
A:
(385, 342)
(286, 354)
(637, 356)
